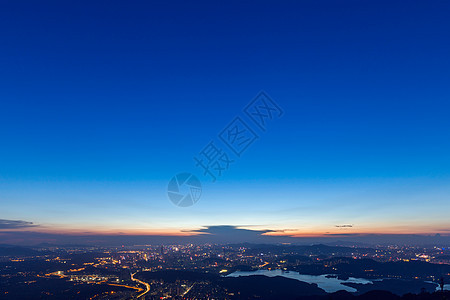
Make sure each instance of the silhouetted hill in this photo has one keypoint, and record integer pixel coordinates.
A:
(302, 250)
(263, 287)
(396, 286)
(8, 250)
(379, 295)
(49, 245)
(368, 268)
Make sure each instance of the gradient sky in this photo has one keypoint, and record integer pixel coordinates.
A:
(102, 103)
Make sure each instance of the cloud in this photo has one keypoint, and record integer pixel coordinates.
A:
(232, 234)
(282, 230)
(344, 226)
(229, 230)
(15, 224)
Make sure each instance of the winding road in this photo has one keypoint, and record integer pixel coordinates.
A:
(147, 286)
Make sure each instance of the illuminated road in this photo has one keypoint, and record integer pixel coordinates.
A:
(126, 286)
(187, 291)
(147, 286)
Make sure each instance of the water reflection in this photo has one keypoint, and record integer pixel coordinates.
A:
(325, 282)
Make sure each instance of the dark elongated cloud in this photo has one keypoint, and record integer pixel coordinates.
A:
(15, 224)
(232, 234)
(228, 229)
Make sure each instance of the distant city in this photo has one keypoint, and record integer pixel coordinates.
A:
(233, 271)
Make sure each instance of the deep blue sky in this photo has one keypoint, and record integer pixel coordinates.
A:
(102, 102)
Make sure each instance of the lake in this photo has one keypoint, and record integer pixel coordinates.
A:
(329, 285)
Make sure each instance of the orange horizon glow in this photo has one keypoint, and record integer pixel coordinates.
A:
(193, 232)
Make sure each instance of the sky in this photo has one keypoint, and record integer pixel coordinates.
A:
(103, 102)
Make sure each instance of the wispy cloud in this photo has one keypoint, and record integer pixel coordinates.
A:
(15, 224)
